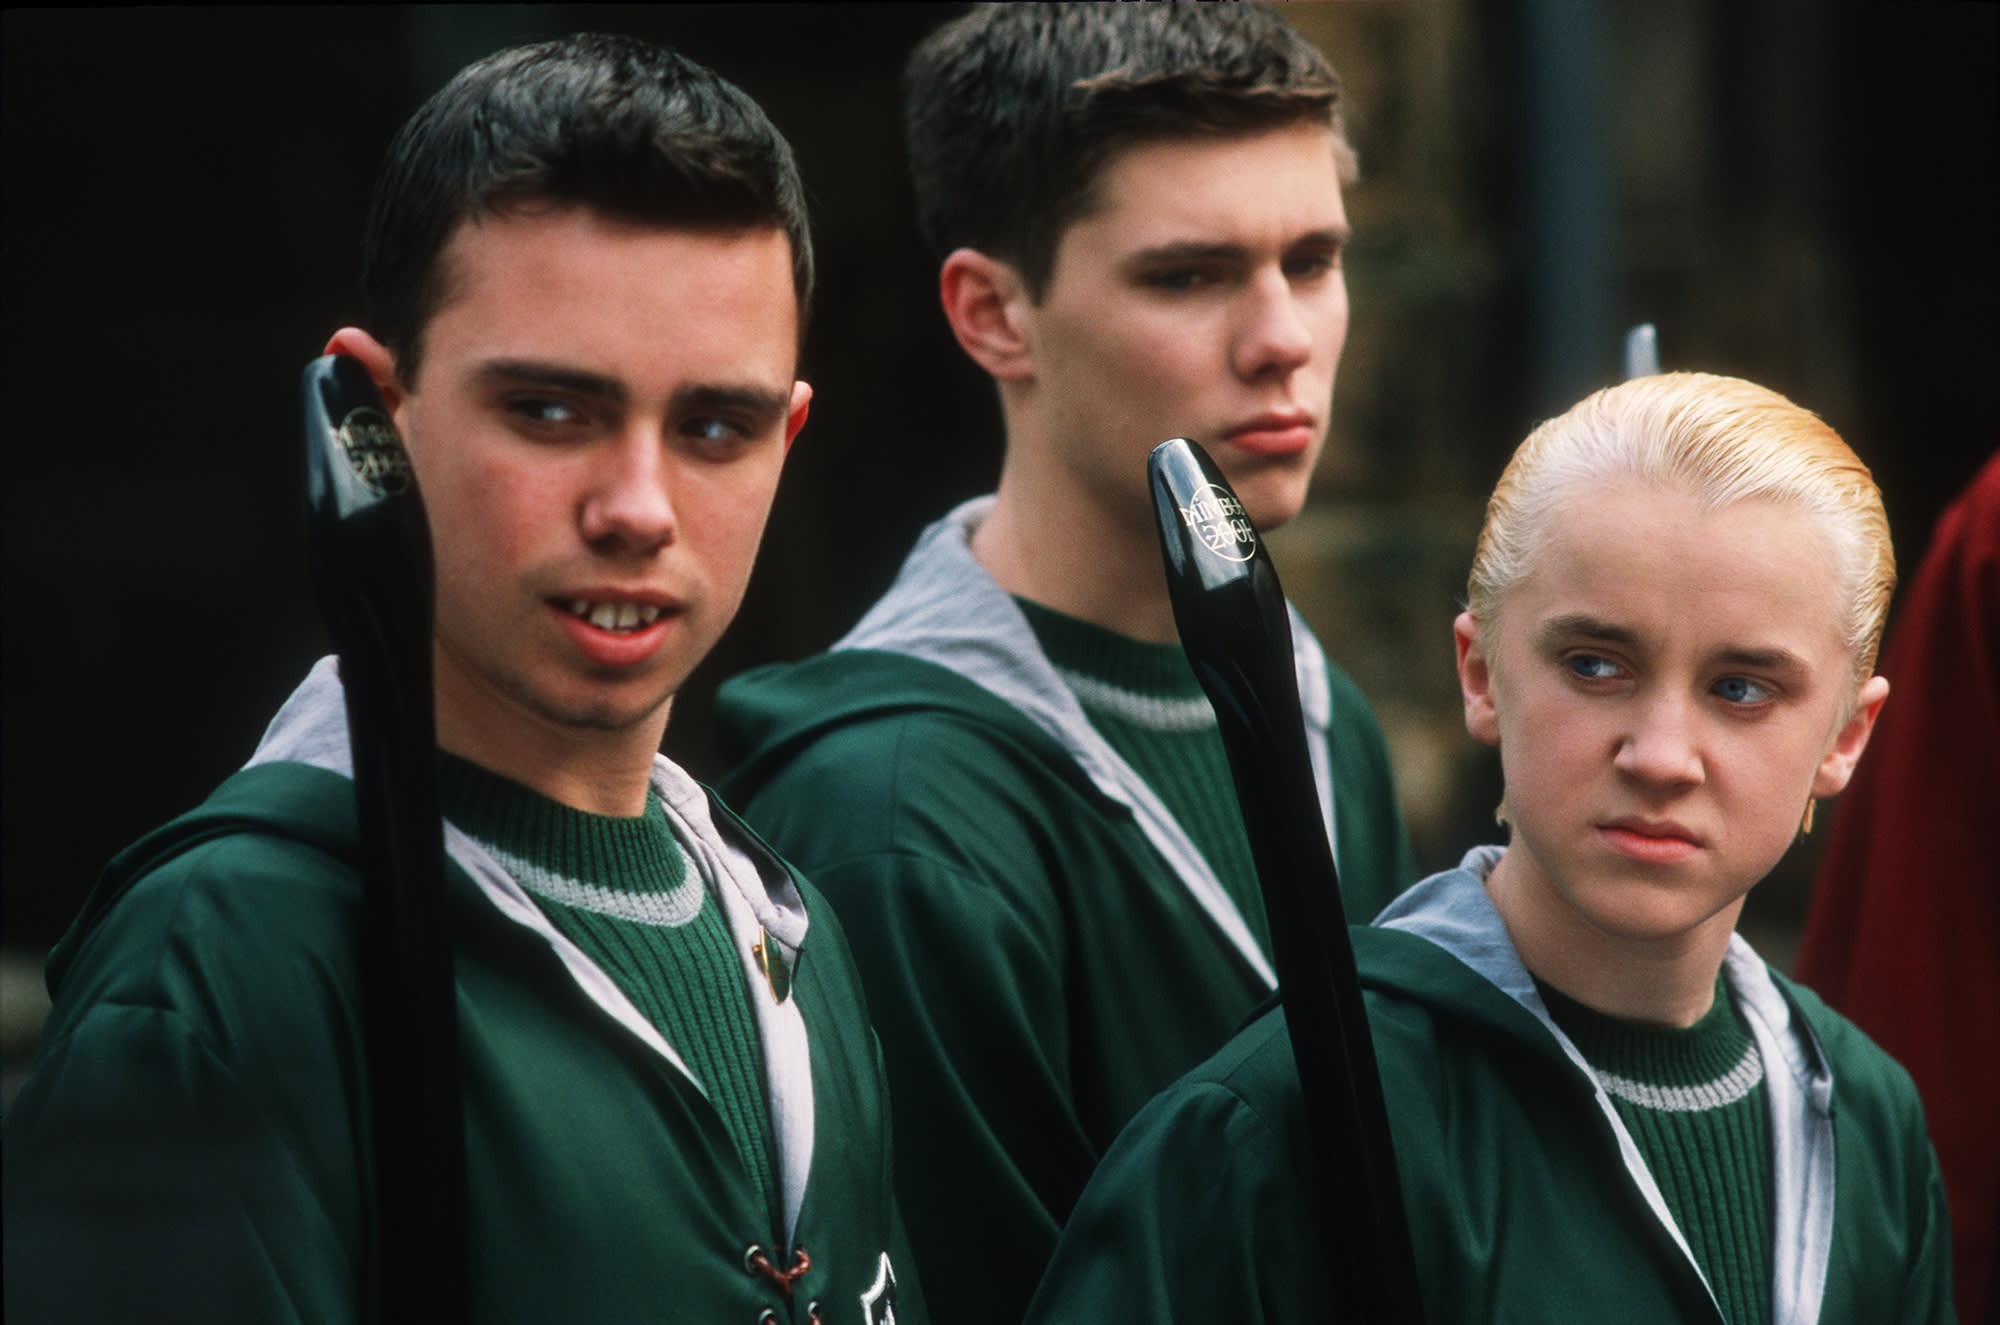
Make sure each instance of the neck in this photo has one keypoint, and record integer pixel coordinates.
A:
(1660, 980)
(597, 770)
(1054, 545)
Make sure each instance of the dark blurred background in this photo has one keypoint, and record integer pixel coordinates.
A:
(1796, 191)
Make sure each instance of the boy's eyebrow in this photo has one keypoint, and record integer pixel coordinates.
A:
(535, 372)
(1195, 250)
(1335, 236)
(764, 402)
(1160, 255)
(1584, 626)
(1772, 659)
(755, 399)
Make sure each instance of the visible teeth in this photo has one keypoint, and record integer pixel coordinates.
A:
(615, 616)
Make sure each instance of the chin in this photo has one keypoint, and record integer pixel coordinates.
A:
(1269, 510)
(1272, 494)
(1646, 914)
(605, 709)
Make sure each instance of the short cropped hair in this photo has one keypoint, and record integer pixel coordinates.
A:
(1013, 111)
(1721, 440)
(621, 126)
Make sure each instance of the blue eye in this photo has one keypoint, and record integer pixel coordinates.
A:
(1590, 667)
(1742, 690)
(716, 438)
(712, 430)
(542, 411)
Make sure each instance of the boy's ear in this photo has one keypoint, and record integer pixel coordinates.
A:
(986, 304)
(375, 357)
(1475, 681)
(1838, 765)
(796, 411)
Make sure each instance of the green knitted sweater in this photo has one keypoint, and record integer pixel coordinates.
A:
(623, 890)
(1145, 701)
(1695, 1102)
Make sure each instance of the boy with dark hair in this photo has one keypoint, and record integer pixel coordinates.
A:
(630, 130)
(590, 264)
(1604, 1105)
(1006, 774)
(1012, 116)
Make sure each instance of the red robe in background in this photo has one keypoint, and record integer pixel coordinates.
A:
(1903, 932)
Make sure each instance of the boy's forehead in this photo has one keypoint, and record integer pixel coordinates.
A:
(469, 258)
(461, 246)
(594, 294)
(1158, 184)
(1637, 562)
(1115, 161)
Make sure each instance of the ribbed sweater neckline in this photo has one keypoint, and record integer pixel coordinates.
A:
(1139, 666)
(1697, 1055)
(627, 854)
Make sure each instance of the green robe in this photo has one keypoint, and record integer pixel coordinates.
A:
(1040, 952)
(1521, 1207)
(193, 1142)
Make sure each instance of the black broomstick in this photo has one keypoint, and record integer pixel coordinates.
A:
(370, 553)
(1233, 625)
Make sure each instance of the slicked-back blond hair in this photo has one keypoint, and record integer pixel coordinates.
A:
(1723, 441)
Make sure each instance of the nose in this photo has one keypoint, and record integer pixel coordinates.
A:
(1276, 338)
(1661, 749)
(628, 505)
